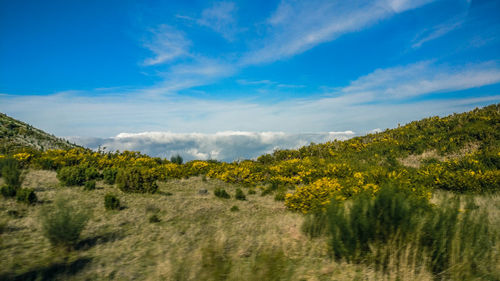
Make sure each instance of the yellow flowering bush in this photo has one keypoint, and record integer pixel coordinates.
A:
(315, 196)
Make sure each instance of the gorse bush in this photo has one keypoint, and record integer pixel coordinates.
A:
(221, 193)
(26, 195)
(313, 197)
(111, 202)
(63, 222)
(136, 180)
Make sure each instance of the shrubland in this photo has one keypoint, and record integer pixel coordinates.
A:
(416, 202)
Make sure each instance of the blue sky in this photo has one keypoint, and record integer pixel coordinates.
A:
(95, 69)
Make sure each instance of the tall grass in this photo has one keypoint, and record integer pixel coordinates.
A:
(394, 230)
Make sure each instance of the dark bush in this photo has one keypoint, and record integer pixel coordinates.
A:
(8, 191)
(177, 159)
(221, 193)
(11, 173)
(90, 185)
(234, 208)
(111, 202)
(240, 195)
(109, 175)
(154, 218)
(251, 191)
(26, 195)
(136, 180)
(63, 223)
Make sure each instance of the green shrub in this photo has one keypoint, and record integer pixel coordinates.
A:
(177, 159)
(70, 176)
(252, 191)
(26, 195)
(136, 180)
(111, 202)
(91, 173)
(90, 185)
(8, 191)
(234, 208)
(77, 175)
(240, 195)
(11, 173)
(453, 244)
(109, 175)
(221, 193)
(370, 220)
(63, 223)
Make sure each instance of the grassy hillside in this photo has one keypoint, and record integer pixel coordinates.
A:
(416, 202)
(16, 135)
(197, 237)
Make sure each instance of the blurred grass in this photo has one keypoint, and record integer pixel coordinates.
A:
(197, 237)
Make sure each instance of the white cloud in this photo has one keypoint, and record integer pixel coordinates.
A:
(225, 146)
(297, 26)
(167, 44)
(255, 82)
(422, 78)
(436, 32)
(364, 104)
(220, 18)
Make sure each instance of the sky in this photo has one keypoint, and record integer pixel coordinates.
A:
(234, 79)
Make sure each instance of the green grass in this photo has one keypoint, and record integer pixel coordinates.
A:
(197, 236)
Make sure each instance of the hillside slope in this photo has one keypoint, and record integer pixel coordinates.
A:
(16, 135)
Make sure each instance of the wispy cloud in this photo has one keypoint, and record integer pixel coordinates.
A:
(436, 32)
(254, 82)
(297, 26)
(422, 78)
(220, 18)
(225, 146)
(167, 44)
(371, 101)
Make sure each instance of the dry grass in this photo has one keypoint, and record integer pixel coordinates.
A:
(124, 245)
(415, 160)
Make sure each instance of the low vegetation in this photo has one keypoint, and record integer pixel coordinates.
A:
(419, 202)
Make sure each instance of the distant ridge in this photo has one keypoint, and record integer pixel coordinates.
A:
(16, 135)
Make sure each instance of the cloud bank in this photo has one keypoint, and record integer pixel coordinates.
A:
(224, 146)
